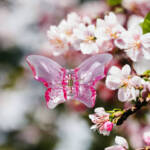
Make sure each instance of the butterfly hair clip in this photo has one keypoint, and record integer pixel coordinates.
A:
(69, 84)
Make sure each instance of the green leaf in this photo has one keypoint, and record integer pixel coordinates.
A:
(117, 109)
(146, 72)
(114, 2)
(146, 24)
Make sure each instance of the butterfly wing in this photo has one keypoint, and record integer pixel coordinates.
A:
(88, 73)
(51, 75)
(93, 68)
(54, 96)
(44, 69)
(86, 95)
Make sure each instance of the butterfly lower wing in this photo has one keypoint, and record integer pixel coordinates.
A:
(44, 69)
(54, 96)
(86, 95)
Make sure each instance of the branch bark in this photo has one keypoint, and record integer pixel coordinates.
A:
(131, 111)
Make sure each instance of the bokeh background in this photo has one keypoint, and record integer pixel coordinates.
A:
(25, 121)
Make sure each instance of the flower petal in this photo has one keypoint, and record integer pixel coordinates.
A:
(124, 94)
(115, 147)
(114, 70)
(141, 66)
(93, 127)
(113, 82)
(146, 40)
(126, 70)
(121, 141)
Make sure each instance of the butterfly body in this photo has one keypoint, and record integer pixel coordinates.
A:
(64, 84)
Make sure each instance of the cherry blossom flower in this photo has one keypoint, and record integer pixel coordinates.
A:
(62, 37)
(121, 144)
(126, 83)
(57, 41)
(108, 30)
(136, 45)
(146, 137)
(87, 36)
(101, 121)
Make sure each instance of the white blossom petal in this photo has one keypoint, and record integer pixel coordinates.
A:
(111, 19)
(146, 53)
(134, 54)
(146, 40)
(114, 70)
(126, 94)
(115, 147)
(113, 82)
(121, 141)
(126, 70)
(100, 111)
(141, 66)
(89, 48)
(93, 127)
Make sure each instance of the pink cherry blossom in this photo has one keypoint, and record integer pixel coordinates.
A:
(101, 121)
(107, 31)
(121, 144)
(57, 41)
(62, 37)
(86, 34)
(108, 126)
(146, 137)
(135, 44)
(125, 82)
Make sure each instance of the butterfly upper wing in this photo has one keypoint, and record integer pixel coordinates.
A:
(51, 75)
(93, 68)
(44, 69)
(89, 72)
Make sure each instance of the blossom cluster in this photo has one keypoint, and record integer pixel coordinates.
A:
(129, 85)
(80, 33)
(101, 121)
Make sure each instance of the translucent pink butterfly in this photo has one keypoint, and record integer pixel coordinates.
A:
(64, 84)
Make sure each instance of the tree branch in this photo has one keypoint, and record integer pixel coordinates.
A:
(139, 104)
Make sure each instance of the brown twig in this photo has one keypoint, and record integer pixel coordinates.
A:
(140, 103)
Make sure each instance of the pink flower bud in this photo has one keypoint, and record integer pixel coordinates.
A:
(108, 126)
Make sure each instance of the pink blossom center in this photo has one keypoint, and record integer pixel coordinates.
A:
(108, 125)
